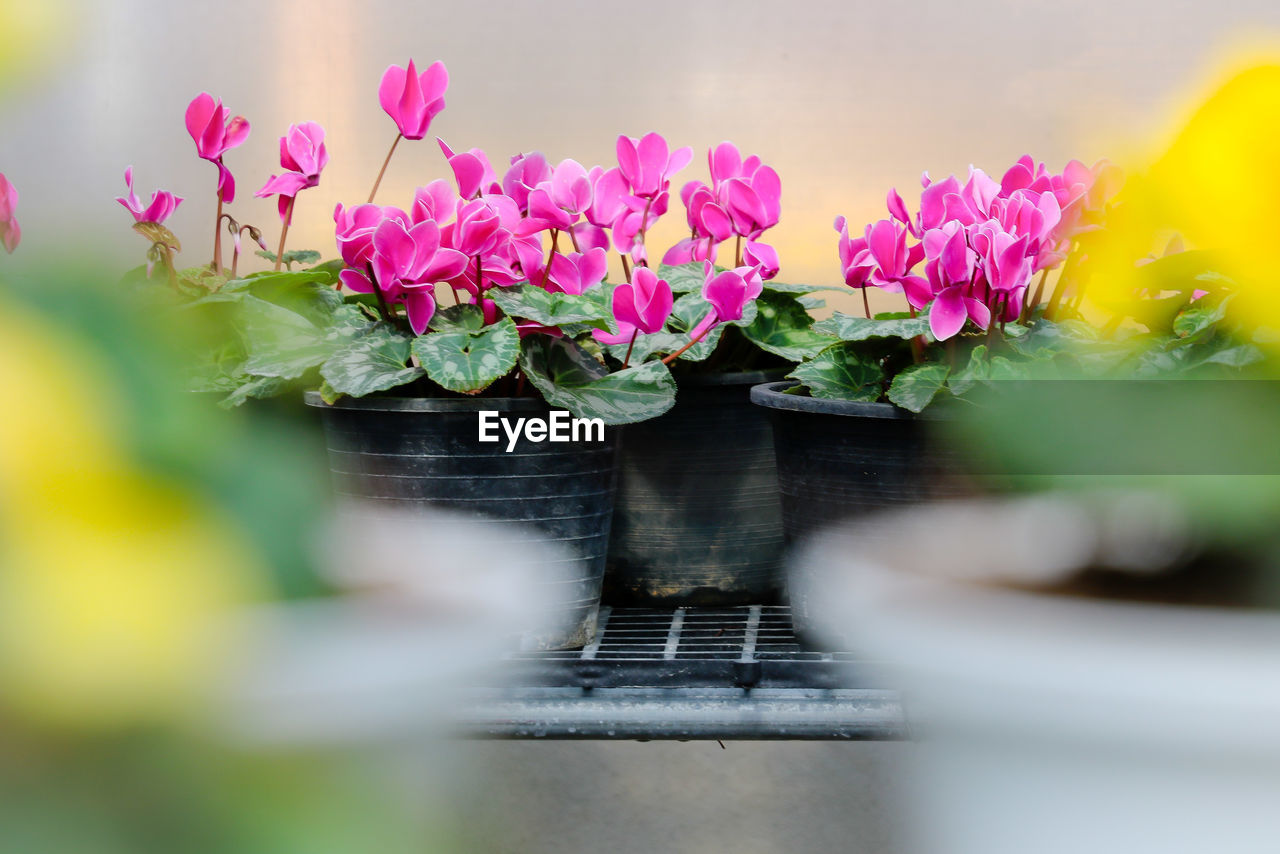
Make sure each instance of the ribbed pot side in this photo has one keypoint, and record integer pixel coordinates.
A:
(698, 521)
(841, 460)
(425, 451)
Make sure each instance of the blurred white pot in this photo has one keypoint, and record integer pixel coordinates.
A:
(1051, 724)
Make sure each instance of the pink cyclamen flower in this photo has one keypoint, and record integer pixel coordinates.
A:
(411, 99)
(647, 164)
(216, 132)
(163, 203)
(10, 231)
(577, 272)
(477, 228)
(645, 303)
(761, 256)
(354, 231)
(559, 201)
(472, 170)
(303, 154)
(407, 261)
(749, 191)
(729, 293)
(527, 171)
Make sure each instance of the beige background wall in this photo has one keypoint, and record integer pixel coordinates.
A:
(843, 98)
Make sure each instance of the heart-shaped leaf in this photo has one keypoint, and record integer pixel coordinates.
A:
(915, 386)
(568, 377)
(783, 327)
(469, 360)
(552, 309)
(374, 361)
(840, 373)
(848, 327)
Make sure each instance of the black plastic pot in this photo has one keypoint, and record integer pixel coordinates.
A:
(698, 520)
(839, 459)
(426, 451)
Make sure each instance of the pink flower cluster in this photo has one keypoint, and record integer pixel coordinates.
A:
(981, 242)
(743, 200)
(490, 231)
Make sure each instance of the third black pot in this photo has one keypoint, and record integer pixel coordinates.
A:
(697, 519)
(839, 459)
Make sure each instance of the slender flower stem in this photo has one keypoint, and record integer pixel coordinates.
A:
(574, 237)
(627, 359)
(626, 267)
(555, 247)
(1029, 304)
(677, 354)
(644, 228)
(383, 170)
(866, 303)
(737, 259)
(217, 237)
(479, 279)
(917, 341)
(284, 231)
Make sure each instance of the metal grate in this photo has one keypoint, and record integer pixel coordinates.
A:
(751, 646)
(691, 673)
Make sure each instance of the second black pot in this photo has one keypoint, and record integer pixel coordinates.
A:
(697, 519)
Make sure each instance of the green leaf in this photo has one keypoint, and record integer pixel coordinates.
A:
(840, 373)
(374, 361)
(280, 343)
(552, 309)
(977, 370)
(568, 377)
(915, 386)
(469, 360)
(683, 278)
(848, 327)
(686, 313)
(293, 256)
(327, 394)
(458, 318)
(1199, 316)
(257, 387)
(782, 326)
(307, 293)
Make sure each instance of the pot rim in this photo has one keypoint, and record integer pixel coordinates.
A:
(771, 396)
(430, 404)
(751, 378)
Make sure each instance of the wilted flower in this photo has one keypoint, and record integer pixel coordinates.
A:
(163, 203)
(216, 132)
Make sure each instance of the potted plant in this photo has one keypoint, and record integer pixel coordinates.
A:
(451, 349)
(698, 519)
(847, 425)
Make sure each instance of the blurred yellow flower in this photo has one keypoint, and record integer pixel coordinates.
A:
(1216, 183)
(111, 580)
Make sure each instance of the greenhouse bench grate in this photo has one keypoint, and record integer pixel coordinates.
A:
(687, 673)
